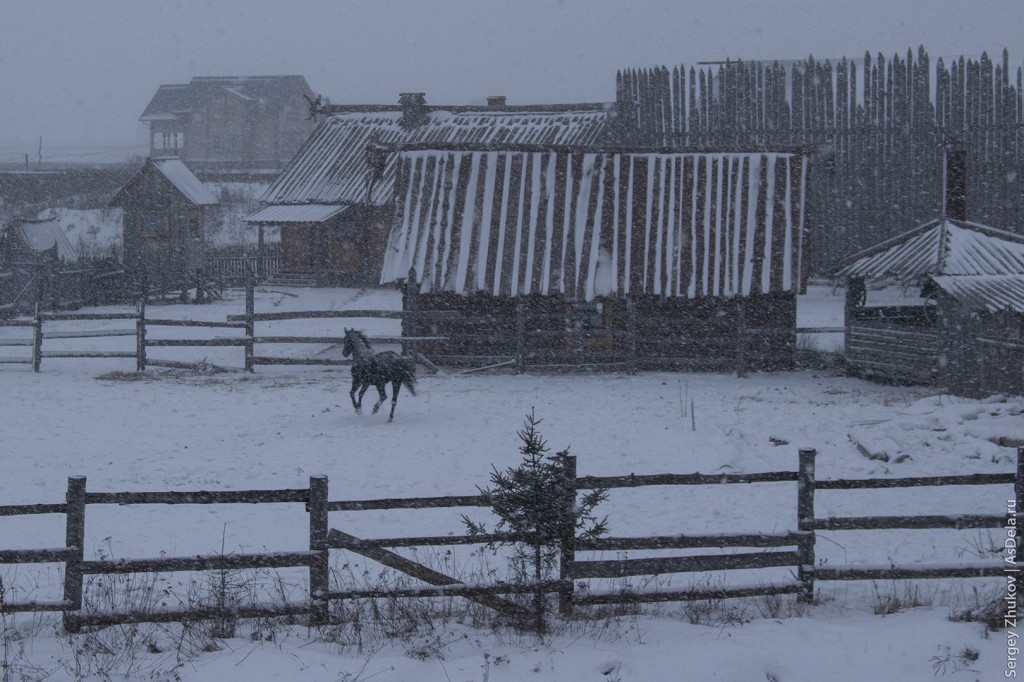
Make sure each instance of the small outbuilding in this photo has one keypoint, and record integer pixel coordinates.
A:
(40, 265)
(166, 210)
(965, 333)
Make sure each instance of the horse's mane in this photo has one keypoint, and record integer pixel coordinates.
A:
(358, 334)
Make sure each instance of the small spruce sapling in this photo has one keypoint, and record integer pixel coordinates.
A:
(537, 505)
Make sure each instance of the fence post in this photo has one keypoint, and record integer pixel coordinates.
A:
(568, 541)
(250, 322)
(409, 328)
(741, 338)
(319, 581)
(74, 540)
(520, 335)
(37, 341)
(1018, 493)
(805, 523)
(140, 336)
(261, 255)
(630, 335)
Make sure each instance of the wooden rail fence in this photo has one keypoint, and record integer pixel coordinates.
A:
(245, 323)
(795, 549)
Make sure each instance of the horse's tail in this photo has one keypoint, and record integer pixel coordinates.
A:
(409, 377)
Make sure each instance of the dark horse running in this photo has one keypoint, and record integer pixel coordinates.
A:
(375, 369)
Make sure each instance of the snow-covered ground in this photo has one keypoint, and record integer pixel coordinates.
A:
(184, 430)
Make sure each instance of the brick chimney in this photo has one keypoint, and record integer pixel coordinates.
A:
(955, 190)
(496, 102)
(414, 108)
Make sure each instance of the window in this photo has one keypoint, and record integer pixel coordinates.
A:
(169, 141)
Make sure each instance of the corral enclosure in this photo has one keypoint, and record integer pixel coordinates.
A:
(230, 431)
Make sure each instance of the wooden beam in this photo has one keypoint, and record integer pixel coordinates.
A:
(420, 572)
(627, 597)
(960, 522)
(213, 562)
(620, 568)
(201, 497)
(633, 481)
(409, 503)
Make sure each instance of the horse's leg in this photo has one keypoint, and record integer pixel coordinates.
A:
(362, 392)
(383, 397)
(395, 385)
(352, 395)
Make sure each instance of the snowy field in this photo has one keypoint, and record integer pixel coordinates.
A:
(190, 430)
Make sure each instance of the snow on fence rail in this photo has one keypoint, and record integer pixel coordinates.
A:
(322, 539)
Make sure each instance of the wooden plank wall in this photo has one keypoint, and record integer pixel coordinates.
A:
(880, 122)
(663, 333)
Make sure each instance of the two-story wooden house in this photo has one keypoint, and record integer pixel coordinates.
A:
(246, 124)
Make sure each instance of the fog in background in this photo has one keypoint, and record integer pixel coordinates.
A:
(79, 74)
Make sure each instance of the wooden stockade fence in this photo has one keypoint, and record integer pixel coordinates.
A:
(880, 125)
(799, 544)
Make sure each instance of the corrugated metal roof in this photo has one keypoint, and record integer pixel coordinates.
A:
(600, 223)
(991, 293)
(43, 235)
(941, 247)
(185, 181)
(332, 167)
(295, 213)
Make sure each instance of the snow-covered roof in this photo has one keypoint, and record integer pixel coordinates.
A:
(176, 173)
(940, 247)
(544, 221)
(332, 167)
(185, 181)
(295, 213)
(43, 235)
(990, 293)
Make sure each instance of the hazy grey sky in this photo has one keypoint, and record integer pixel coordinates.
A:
(79, 73)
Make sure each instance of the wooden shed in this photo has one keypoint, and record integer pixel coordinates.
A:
(40, 265)
(166, 209)
(965, 332)
(333, 202)
(576, 256)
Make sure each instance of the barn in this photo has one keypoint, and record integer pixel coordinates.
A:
(965, 332)
(557, 256)
(166, 210)
(333, 202)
